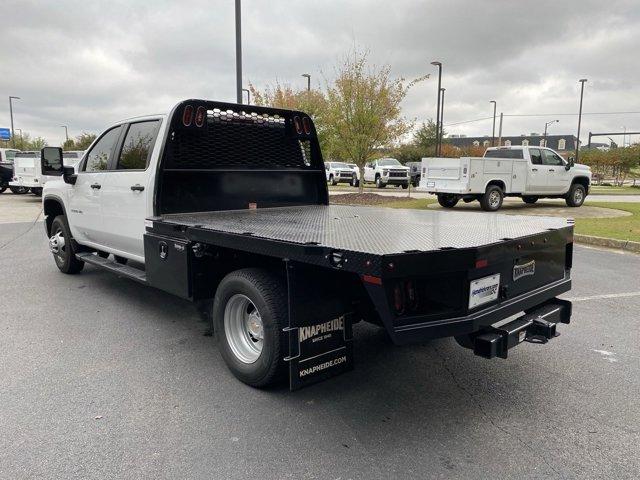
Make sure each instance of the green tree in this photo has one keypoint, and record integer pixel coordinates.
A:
(363, 111)
(425, 137)
(81, 142)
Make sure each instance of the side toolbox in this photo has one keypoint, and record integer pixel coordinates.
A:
(167, 262)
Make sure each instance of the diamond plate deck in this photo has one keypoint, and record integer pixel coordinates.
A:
(377, 231)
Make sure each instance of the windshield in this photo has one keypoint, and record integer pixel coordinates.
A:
(388, 162)
(339, 165)
(352, 165)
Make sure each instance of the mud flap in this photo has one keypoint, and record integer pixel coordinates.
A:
(320, 330)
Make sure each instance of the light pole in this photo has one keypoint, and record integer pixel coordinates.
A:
(493, 131)
(308, 76)
(248, 95)
(442, 116)
(238, 52)
(624, 135)
(66, 132)
(545, 130)
(439, 65)
(582, 81)
(13, 142)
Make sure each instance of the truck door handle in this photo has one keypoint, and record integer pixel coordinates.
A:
(534, 169)
(137, 187)
(96, 186)
(552, 170)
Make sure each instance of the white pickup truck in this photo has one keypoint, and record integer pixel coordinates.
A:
(527, 172)
(386, 171)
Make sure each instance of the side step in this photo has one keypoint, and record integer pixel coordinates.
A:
(112, 266)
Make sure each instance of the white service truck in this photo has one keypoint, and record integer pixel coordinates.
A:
(522, 171)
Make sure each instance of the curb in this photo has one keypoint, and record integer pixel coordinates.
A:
(625, 245)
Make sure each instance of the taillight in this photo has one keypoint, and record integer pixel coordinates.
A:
(187, 115)
(201, 114)
(306, 123)
(297, 124)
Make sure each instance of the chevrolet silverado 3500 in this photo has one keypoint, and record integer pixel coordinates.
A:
(227, 205)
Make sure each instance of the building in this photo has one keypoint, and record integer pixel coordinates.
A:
(560, 143)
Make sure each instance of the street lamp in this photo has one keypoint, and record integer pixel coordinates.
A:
(66, 132)
(545, 130)
(582, 82)
(442, 115)
(308, 81)
(493, 131)
(13, 142)
(439, 65)
(238, 53)
(248, 95)
(624, 135)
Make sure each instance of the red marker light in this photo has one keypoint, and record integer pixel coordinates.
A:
(372, 279)
(298, 124)
(482, 263)
(306, 123)
(187, 115)
(201, 114)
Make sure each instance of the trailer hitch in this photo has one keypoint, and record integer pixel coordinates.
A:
(535, 326)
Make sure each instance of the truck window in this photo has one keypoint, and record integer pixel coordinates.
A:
(504, 153)
(10, 154)
(138, 144)
(99, 156)
(536, 156)
(550, 158)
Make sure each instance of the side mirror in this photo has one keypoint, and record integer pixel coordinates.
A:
(51, 161)
(570, 163)
(69, 174)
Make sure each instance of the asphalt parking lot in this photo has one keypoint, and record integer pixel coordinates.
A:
(103, 378)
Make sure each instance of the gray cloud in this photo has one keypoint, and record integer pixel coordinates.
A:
(86, 64)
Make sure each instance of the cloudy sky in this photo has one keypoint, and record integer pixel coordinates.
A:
(88, 63)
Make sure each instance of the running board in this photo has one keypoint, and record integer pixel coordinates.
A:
(113, 266)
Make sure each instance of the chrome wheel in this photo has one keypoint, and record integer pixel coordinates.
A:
(578, 196)
(494, 199)
(243, 328)
(57, 245)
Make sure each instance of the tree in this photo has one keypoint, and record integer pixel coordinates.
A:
(81, 142)
(363, 111)
(24, 142)
(425, 137)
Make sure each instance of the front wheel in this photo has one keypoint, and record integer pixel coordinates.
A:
(492, 199)
(530, 200)
(447, 200)
(249, 313)
(355, 182)
(19, 190)
(405, 186)
(62, 246)
(2, 188)
(576, 196)
(379, 183)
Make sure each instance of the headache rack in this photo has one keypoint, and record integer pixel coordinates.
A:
(222, 156)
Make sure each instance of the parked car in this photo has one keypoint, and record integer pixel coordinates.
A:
(338, 172)
(414, 172)
(386, 171)
(520, 171)
(356, 174)
(219, 204)
(26, 172)
(6, 170)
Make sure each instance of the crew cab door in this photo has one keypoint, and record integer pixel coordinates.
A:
(85, 209)
(127, 190)
(536, 176)
(558, 178)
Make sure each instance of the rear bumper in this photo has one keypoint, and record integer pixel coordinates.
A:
(421, 329)
(25, 182)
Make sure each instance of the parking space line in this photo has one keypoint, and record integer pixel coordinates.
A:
(606, 295)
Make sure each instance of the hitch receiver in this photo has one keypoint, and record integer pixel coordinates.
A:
(535, 326)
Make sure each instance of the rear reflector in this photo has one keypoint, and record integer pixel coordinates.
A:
(306, 123)
(372, 280)
(187, 115)
(481, 263)
(201, 114)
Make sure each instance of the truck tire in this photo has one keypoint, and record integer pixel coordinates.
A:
(576, 195)
(447, 200)
(37, 191)
(492, 199)
(355, 182)
(530, 200)
(379, 183)
(405, 186)
(249, 313)
(332, 181)
(62, 247)
(19, 190)
(3, 188)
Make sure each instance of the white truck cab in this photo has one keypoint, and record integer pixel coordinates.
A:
(386, 171)
(338, 172)
(527, 172)
(107, 204)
